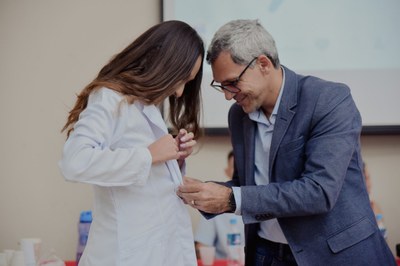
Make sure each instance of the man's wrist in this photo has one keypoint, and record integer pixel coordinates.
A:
(231, 201)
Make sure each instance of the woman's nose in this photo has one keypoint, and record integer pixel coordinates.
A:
(179, 92)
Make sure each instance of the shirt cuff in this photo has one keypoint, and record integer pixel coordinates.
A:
(238, 199)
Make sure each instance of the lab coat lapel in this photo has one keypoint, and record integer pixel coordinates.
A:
(153, 115)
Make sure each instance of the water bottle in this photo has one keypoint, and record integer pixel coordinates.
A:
(234, 244)
(83, 229)
(382, 228)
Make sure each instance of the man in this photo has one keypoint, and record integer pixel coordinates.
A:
(298, 181)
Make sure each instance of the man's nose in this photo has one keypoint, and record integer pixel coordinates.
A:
(229, 95)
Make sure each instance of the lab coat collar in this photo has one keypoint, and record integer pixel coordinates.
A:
(153, 115)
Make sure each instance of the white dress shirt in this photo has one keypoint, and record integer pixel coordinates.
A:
(269, 229)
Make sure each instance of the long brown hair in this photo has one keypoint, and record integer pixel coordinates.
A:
(148, 70)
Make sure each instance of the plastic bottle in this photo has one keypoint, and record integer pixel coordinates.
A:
(234, 244)
(85, 221)
(382, 228)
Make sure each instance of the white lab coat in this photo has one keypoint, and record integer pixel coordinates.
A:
(137, 217)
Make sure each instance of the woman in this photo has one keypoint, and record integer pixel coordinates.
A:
(119, 143)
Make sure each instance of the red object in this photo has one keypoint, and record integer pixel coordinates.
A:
(216, 263)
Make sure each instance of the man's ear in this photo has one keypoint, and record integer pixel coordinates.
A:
(264, 63)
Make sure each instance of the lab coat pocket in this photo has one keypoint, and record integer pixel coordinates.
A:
(147, 248)
(351, 235)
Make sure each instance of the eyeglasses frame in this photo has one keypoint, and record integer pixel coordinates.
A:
(222, 88)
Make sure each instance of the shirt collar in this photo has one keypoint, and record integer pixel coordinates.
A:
(259, 116)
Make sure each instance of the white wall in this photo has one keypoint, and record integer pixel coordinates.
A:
(48, 51)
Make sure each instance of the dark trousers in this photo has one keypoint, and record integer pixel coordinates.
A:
(270, 253)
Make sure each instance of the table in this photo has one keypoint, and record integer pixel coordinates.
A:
(216, 263)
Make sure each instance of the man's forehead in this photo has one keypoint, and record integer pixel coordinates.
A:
(224, 68)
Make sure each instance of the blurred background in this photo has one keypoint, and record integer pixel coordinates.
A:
(49, 50)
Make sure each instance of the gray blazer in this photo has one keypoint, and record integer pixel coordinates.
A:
(317, 189)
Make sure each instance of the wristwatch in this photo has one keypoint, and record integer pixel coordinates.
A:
(232, 202)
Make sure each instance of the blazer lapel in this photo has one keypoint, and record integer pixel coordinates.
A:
(249, 149)
(285, 113)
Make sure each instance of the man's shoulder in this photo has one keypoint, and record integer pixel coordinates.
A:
(309, 88)
(316, 85)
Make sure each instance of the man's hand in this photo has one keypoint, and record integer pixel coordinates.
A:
(208, 197)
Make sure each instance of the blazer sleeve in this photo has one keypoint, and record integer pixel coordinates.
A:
(87, 156)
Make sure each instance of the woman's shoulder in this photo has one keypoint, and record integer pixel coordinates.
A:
(106, 101)
(105, 94)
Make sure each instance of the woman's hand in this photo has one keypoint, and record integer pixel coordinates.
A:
(164, 149)
(185, 144)
(167, 148)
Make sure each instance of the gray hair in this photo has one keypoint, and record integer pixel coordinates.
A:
(244, 40)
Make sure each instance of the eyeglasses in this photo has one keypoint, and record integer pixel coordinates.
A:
(231, 86)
